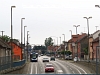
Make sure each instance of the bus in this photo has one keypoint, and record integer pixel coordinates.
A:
(34, 57)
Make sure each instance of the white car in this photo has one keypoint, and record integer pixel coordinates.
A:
(45, 60)
(75, 59)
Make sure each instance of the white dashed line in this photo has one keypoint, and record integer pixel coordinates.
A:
(73, 72)
(31, 68)
(36, 69)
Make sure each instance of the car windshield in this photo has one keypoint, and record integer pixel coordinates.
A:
(49, 65)
(45, 58)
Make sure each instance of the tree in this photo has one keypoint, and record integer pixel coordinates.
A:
(5, 38)
(48, 42)
(85, 50)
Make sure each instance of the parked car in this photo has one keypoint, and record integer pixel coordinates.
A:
(75, 59)
(49, 68)
(52, 58)
(45, 60)
(69, 57)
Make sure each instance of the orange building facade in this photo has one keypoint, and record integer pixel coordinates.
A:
(17, 55)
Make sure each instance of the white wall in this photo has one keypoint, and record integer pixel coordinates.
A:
(96, 35)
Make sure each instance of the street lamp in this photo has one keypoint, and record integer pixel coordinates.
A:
(27, 45)
(11, 35)
(21, 35)
(57, 43)
(2, 33)
(71, 42)
(97, 6)
(96, 27)
(87, 18)
(64, 45)
(77, 39)
(24, 41)
(57, 39)
(60, 40)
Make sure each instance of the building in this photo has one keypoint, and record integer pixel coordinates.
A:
(5, 52)
(17, 50)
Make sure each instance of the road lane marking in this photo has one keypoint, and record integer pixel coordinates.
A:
(74, 67)
(28, 68)
(36, 68)
(31, 68)
(79, 68)
(73, 72)
(67, 71)
(59, 72)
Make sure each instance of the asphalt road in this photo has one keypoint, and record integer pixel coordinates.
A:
(59, 65)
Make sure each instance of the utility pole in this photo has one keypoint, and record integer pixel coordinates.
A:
(96, 27)
(87, 18)
(2, 33)
(77, 39)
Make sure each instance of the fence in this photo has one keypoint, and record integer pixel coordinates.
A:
(5, 63)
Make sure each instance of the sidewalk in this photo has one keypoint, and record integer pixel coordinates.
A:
(84, 65)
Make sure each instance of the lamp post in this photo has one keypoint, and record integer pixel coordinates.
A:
(77, 38)
(12, 34)
(24, 41)
(64, 45)
(27, 45)
(2, 33)
(71, 42)
(60, 40)
(96, 27)
(57, 43)
(21, 36)
(87, 18)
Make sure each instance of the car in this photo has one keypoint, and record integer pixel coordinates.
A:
(49, 68)
(41, 54)
(69, 57)
(59, 72)
(52, 58)
(34, 59)
(45, 60)
(75, 59)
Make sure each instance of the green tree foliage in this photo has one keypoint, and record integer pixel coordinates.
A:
(5, 38)
(48, 42)
(66, 52)
(42, 48)
(85, 50)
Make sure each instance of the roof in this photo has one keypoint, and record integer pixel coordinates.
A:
(96, 40)
(16, 42)
(94, 33)
(80, 37)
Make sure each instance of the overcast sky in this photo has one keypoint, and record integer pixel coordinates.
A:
(45, 18)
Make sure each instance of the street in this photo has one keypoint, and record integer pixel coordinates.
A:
(59, 65)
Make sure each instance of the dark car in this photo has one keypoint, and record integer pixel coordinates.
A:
(52, 58)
